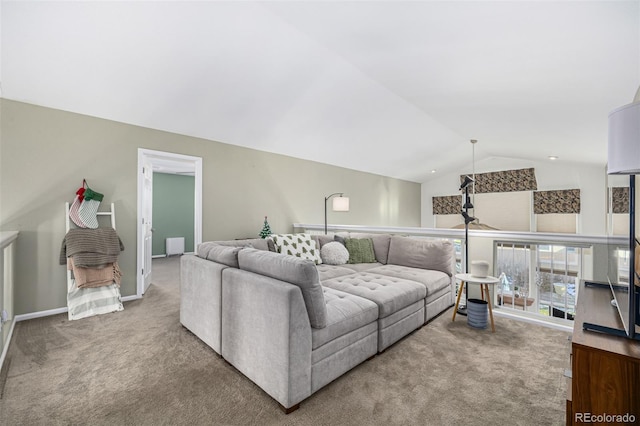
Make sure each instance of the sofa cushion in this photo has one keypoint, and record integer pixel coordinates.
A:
(326, 272)
(380, 244)
(361, 267)
(434, 281)
(422, 253)
(256, 243)
(334, 253)
(360, 250)
(339, 239)
(215, 252)
(321, 240)
(204, 248)
(345, 313)
(298, 245)
(294, 270)
(389, 293)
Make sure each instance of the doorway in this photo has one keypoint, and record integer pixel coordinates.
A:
(148, 162)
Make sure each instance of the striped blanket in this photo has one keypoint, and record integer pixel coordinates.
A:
(85, 302)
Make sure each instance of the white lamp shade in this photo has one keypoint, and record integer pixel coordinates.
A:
(341, 204)
(624, 140)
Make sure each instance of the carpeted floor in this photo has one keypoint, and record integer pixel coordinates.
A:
(141, 367)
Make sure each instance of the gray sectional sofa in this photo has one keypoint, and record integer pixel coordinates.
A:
(292, 326)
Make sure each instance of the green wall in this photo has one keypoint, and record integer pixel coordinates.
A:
(45, 153)
(173, 210)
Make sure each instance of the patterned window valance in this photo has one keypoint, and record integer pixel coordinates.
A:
(620, 199)
(450, 204)
(562, 201)
(505, 181)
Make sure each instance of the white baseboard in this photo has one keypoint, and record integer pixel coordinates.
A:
(530, 320)
(40, 314)
(49, 312)
(6, 344)
(158, 256)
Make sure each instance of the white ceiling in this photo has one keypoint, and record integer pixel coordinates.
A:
(389, 87)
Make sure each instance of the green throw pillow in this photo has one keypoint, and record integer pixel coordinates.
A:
(360, 250)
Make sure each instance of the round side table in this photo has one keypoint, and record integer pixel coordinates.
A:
(484, 289)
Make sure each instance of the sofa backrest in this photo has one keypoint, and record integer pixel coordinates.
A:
(256, 243)
(291, 269)
(226, 252)
(322, 239)
(226, 255)
(380, 244)
(438, 255)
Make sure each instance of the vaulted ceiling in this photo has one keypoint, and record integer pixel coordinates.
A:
(388, 87)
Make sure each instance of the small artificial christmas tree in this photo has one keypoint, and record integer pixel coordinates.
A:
(266, 229)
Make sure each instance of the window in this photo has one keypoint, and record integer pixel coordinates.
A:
(541, 279)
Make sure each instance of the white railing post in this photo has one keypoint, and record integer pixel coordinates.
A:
(7, 253)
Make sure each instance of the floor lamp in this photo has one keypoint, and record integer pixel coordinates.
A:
(340, 204)
(462, 310)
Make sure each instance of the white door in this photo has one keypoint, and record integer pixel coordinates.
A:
(147, 230)
(147, 159)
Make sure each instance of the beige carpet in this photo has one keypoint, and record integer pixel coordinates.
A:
(141, 367)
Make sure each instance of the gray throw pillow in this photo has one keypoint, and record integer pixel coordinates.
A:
(321, 240)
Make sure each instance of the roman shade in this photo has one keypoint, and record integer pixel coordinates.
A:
(560, 201)
(505, 181)
(619, 200)
(450, 204)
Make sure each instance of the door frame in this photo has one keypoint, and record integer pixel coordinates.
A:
(179, 159)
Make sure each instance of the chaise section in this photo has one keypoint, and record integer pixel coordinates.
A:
(438, 303)
(438, 285)
(287, 333)
(326, 272)
(392, 295)
(434, 281)
(350, 337)
(430, 262)
(360, 267)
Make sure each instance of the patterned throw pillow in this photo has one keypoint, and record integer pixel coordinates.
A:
(299, 245)
(360, 250)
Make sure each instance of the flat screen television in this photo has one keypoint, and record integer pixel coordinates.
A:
(623, 278)
(626, 297)
(623, 158)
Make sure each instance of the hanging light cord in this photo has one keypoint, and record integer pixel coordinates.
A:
(473, 171)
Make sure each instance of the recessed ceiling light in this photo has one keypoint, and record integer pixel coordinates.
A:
(433, 171)
(553, 157)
